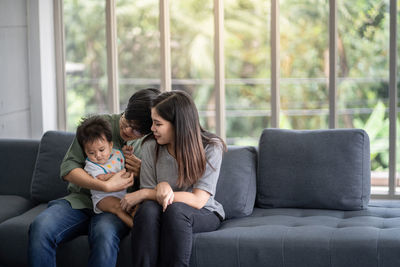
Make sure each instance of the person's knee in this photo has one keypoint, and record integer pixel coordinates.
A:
(175, 212)
(40, 228)
(147, 211)
(104, 238)
(103, 234)
(106, 229)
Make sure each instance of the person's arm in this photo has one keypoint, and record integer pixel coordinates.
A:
(196, 199)
(203, 189)
(117, 182)
(166, 196)
(147, 179)
(129, 201)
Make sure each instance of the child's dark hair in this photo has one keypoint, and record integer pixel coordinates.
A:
(139, 109)
(93, 128)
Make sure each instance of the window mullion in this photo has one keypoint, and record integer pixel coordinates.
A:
(219, 67)
(60, 65)
(112, 57)
(332, 63)
(165, 46)
(392, 97)
(275, 64)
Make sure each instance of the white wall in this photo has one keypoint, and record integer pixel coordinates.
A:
(27, 72)
(14, 90)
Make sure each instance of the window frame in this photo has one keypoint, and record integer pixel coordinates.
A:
(164, 27)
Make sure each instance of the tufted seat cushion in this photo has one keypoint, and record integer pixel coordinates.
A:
(305, 237)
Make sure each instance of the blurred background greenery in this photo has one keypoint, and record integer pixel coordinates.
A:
(363, 63)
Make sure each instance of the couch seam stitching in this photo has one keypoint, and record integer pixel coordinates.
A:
(283, 247)
(247, 193)
(362, 171)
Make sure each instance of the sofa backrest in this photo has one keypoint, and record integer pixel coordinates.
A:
(17, 161)
(323, 169)
(46, 181)
(236, 188)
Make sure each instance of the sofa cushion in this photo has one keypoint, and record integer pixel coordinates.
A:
(304, 238)
(16, 232)
(46, 182)
(12, 205)
(236, 188)
(324, 169)
(72, 253)
(17, 161)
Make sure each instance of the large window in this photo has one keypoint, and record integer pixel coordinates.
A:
(175, 44)
(86, 59)
(192, 54)
(138, 42)
(363, 71)
(247, 57)
(304, 49)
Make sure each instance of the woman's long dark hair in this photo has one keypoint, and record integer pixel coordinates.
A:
(178, 108)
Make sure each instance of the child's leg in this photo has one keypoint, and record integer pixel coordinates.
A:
(112, 205)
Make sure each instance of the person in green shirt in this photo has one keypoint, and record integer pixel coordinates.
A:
(73, 215)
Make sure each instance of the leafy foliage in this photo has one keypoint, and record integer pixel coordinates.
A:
(363, 60)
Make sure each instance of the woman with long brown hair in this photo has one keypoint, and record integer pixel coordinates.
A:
(178, 178)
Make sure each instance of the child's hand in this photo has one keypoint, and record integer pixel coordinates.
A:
(127, 174)
(105, 177)
(127, 150)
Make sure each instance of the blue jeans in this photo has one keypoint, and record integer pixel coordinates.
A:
(60, 223)
(165, 238)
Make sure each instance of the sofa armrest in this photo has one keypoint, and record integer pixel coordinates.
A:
(17, 162)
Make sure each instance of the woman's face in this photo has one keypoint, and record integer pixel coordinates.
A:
(163, 130)
(128, 130)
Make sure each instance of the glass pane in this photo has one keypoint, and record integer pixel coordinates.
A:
(247, 67)
(304, 55)
(192, 54)
(86, 59)
(138, 46)
(363, 43)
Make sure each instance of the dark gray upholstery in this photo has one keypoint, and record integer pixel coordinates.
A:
(267, 237)
(12, 206)
(17, 162)
(304, 237)
(236, 188)
(46, 182)
(74, 253)
(323, 169)
(15, 231)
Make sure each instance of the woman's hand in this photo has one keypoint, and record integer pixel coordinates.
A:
(164, 194)
(130, 200)
(132, 164)
(119, 181)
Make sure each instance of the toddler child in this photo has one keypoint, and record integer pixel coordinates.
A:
(94, 134)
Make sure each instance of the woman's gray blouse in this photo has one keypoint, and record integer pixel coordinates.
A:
(166, 170)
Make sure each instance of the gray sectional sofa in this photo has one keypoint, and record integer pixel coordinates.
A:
(301, 198)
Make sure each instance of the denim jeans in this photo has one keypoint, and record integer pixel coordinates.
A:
(60, 223)
(165, 238)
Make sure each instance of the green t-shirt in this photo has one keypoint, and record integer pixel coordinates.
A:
(80, 198)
